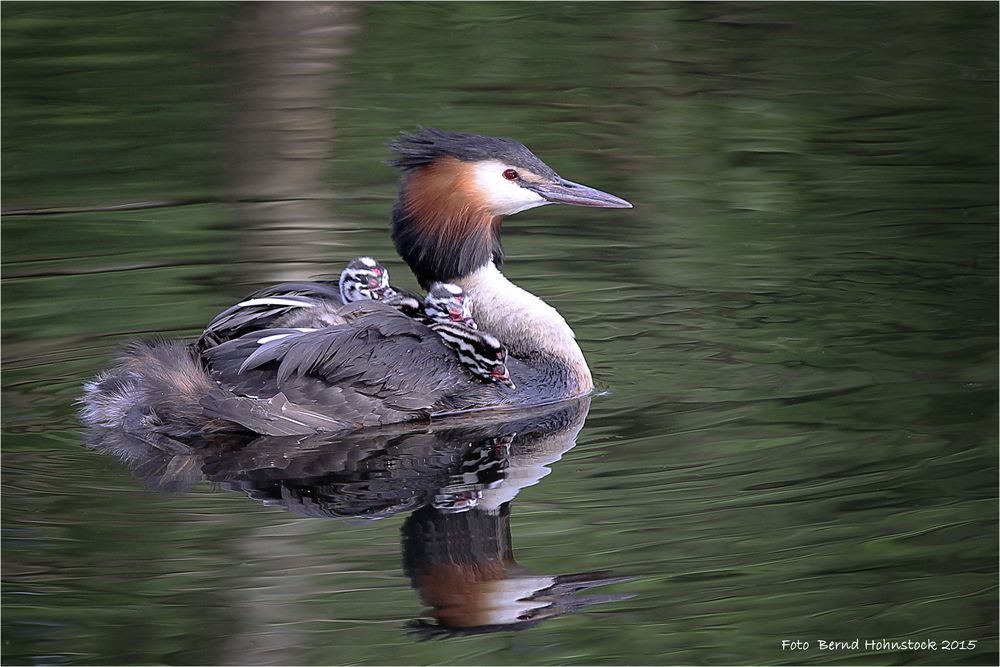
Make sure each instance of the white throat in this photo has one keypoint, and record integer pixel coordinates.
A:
(523, 322)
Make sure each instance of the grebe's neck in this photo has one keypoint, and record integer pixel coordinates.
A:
(529, 327)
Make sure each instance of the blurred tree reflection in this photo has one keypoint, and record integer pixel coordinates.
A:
(278, 138)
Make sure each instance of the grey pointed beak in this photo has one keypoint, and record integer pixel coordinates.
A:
(575, 194)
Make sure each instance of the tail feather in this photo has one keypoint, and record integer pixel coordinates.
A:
(156, 384)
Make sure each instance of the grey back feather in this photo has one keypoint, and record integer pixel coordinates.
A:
(351, 374)
(291, 304)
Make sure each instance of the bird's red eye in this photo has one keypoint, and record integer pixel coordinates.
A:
(510, 174)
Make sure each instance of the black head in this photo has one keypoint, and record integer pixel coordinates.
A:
(425, 147)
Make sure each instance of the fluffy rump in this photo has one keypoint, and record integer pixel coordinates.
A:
(156, 381)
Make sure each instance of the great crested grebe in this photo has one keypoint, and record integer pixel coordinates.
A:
(378, 366)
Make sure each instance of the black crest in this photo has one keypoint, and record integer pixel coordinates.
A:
(423, 147)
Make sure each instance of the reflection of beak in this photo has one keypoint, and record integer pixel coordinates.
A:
(568, 192)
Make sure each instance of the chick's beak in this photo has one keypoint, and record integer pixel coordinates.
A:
(502, 375)
(576, 194)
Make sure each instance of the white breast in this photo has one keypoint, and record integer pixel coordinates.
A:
(523, 322)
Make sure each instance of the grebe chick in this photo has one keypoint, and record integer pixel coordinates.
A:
(484, 355)
(366, 278)
(447, 302)
(448, 311)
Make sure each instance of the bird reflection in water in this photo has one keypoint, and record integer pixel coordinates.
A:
(458, 479)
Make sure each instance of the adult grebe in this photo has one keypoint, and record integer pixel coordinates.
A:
(378, 366)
